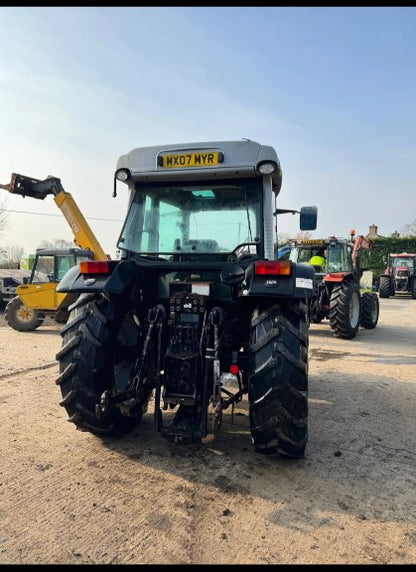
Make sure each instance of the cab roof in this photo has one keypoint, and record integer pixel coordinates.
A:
(236, 159)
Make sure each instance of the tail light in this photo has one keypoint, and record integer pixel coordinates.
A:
(272, 267)
(94, 267)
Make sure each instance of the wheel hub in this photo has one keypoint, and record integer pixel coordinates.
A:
(25, 314)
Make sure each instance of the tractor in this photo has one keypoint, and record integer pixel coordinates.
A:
(399, 275)
(196, 298)
(337, 296)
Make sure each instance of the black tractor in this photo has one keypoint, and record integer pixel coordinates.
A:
(196, 298)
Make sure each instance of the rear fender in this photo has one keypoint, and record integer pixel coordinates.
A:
(300, 283)
(121, 275)
(336, 277)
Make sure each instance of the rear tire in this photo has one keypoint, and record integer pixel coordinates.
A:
(61, 316)
(318, 317)
(384, 289)
(344, 310)
(101, 343)
(370, 308)
(21, 318)
(278, 379)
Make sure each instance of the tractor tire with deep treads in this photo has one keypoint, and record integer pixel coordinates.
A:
(413, 292)
(100, 345)
(278, 379)
(344, 309)
(384, 288)
(370, 309)
(21, 318)
(61, 316)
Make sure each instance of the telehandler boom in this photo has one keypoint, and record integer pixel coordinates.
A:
(37, 189)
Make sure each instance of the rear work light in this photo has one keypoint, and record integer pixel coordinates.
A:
(94, 267)
(122, 174)
(267, 168)
(272, 267)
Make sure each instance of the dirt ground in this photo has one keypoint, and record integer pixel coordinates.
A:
(67, 497)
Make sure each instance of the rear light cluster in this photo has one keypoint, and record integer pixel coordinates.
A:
(272, 267)
(94, 267)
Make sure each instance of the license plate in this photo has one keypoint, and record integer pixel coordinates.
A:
(203, 159)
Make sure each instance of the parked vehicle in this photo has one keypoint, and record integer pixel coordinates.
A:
(399, 275)
(196, 297)
(37, 297)
(10, 278)
(337, 295)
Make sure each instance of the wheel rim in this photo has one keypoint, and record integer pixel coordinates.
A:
(25, 314)
(354, 310)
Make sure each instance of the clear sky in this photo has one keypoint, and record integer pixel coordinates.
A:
(332, 89)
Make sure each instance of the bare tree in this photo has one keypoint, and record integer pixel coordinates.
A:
(56, 243)
(10, 256)
(408, 229)
(282, 238)
(303, 235)
(4, 217)
(3, 226)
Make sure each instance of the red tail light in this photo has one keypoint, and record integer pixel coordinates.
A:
(234, 369)
(272, 267)
(94, 267)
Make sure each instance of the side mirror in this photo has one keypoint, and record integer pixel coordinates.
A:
(308, 218)
(25, 279)
(384, 259)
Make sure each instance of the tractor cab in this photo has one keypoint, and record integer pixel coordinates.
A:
(51, 265)
(327, 256)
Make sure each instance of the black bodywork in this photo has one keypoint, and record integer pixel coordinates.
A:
(196, 297)
(198, 336)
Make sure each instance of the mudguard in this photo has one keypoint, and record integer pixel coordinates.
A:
(121, 275)
(300, 283)
(338, 276)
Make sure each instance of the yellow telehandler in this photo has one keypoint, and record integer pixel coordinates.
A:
(37, 297)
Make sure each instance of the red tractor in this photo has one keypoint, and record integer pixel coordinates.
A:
(337, 294)
(399, 276)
